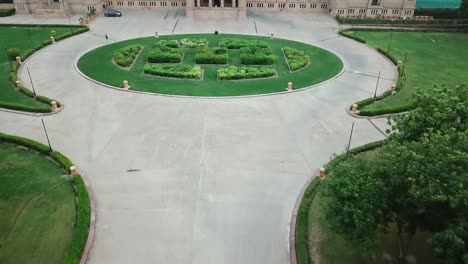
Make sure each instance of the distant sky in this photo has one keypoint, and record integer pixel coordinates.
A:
(438, 3)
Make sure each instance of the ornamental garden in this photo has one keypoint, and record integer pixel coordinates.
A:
(210, 65)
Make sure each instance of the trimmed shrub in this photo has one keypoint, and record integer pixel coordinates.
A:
(439, 13)
(390, 57)
(237, 73)
(343, 33)
(296, 59)
(7, 12)
(374, 21)
(367, 147)
(167, 43)
(62, 160)
(193, 43)
(211, 56)
(162, 54)
(39, 147)
(83, 220)
(13, 53)
(174, 71)
(239, 43)
(396, 109)
(46, 100)
(255, 55)
(26, 91)
(124, 57)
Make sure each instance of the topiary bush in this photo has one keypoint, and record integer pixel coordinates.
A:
(237, 73)
(211, 56)
(13, 53)
(174, 71)
(193, 43)
(124, 57)
(239, 43)
(163, 54)
(296, 59)
(7, 12)
(255, 55)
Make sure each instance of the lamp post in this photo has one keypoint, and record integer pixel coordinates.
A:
(68, 15)
(47, 135)
(350, 137)
(32, 84)
(376, 86)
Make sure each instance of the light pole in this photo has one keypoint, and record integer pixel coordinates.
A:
(32, 84)
(47, 135)
(68, 15)
(350, 137)
(376, 86)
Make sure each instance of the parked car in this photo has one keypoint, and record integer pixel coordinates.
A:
(112, 13)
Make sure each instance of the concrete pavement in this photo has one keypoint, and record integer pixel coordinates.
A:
(193, 180)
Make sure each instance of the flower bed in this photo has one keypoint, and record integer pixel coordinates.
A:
(240, 43)
(211, 56)
(193, 43)
(174, 71)
(164, 54)
(126, 56)
(296, 59)
(238, 73)
(255, 55)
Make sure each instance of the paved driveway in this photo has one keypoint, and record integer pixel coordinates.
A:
(193, 180)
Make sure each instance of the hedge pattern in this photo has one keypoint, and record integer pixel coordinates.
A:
(442, 13)
(125, 57)
(193, 43)
(13, 76)
(211, 56)
(163, 54)
(83, 208)
(7, 12)
(255, 55)
(174, 71)
(240, 43)
(343, 20)
(237, 73)
(296, 59)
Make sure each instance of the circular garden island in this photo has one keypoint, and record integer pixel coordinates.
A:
(210, 65)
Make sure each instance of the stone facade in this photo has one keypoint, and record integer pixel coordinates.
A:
(393, 9)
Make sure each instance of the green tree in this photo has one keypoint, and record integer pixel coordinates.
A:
(436, 110)
(449, 245)
(464, 9)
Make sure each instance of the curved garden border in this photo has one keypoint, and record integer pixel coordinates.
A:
(85, 225)
(307, 192)
(206, 97)
(343, 69)
(36, 111)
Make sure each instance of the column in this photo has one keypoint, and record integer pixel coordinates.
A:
(222, 3)
(198, 3)
(210, 3)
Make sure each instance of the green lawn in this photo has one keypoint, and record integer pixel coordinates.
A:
(326, 246)
(97, 64)
(37, 208)
(433, 58)
(23, 38)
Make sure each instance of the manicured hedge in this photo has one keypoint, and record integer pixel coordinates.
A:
(302, 243)
(439, 13)
(239, 43)
(83, 207)
(211, 56)
(24, 56)
(343, 20)
(83, 215)
(396, 109)
(343, 33)
(193, 43)
(174, 71)
(167, 43)
(367, 147)
(7, 12)
(237, 73)
(124, 57)
(163, 54)
(255, 55)
(296, 59)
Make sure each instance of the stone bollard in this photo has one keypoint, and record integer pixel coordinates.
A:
(322, 173)
(393, 88)
(399, 63)
(53, 105)
(18, 83)
(52, 39)
(73, 170)
(272, 35)
(18, 59)
(156, 35)
(289, 86)
(354, 108)
(125, 85)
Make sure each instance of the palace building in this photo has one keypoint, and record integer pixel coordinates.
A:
(390, 9)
